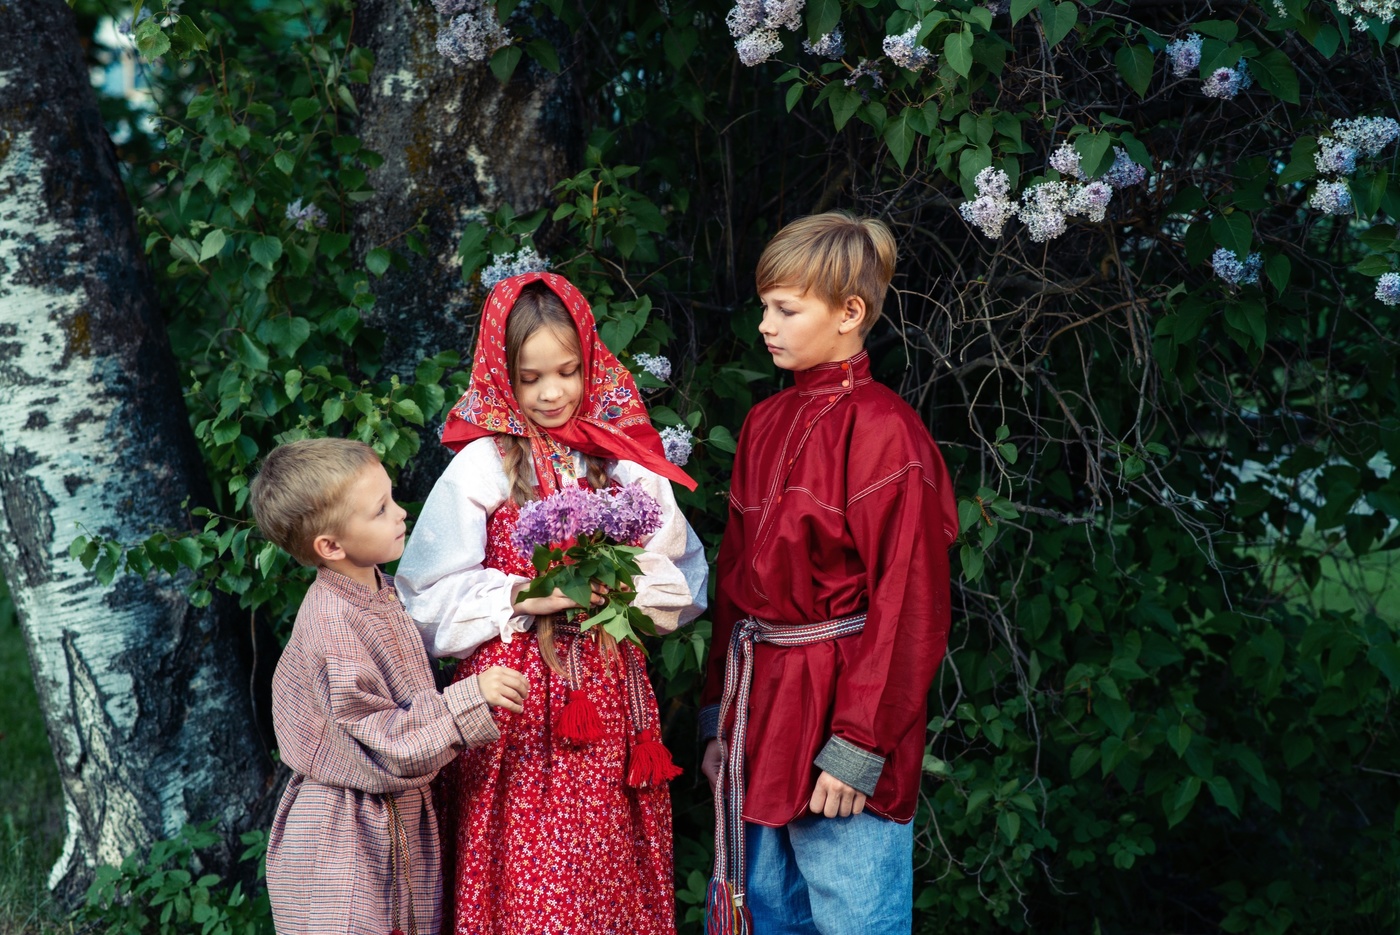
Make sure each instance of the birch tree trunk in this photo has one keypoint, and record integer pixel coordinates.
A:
(144, 696)
(456, 143)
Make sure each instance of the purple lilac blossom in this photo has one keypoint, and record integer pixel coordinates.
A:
(1223, 83)
(306, 216)
(1362, 10)
(1334, 157)
(1368, 135)
(1044, 208)
(758, 46)
(524, 260)
(677, 442)
(566, 514)
(1124, 171)
(654, 364)
(474, 35)
(1331, 198)
(1388, 288)
(1229, 268)
(865, 68)
(991, 209)
(832, 45)
(904, 50)
(629, 514)
(1091, 200)
(1065, 160)
(1185, 55)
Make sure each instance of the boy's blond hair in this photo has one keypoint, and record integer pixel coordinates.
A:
(832, 256)
(300, 492)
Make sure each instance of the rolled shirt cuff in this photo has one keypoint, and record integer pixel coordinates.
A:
(860, 769)
(709, 722)
(471, 712)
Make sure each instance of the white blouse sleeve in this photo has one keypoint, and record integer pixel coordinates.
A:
(671, 589)
(458, 603)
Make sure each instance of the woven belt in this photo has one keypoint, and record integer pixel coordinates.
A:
(725, 912)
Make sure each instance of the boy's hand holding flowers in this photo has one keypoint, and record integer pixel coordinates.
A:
(581, 543)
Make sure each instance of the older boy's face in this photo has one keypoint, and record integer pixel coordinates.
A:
(372, 534)
(802, 331)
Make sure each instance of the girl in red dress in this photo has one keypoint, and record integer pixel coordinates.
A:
(564, 824)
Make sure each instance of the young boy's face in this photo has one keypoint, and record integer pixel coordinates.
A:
(372, 533)
(801, 331)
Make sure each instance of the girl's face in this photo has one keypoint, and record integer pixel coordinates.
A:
(548, 379)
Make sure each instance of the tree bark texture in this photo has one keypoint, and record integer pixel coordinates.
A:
(456, 144)
(144, 696)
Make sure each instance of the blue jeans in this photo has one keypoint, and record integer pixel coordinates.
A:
(832, 876)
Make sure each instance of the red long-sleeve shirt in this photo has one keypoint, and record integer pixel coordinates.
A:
(840, 503)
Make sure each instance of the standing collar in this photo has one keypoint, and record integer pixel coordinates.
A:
(838, 376)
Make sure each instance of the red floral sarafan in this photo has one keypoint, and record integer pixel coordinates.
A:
(611, 421)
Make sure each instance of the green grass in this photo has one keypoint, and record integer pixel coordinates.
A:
(31, 800)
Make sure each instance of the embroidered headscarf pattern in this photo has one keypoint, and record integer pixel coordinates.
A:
(611, 421)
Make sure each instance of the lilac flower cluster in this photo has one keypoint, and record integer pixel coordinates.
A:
(1124, 171)
(1091, 201)
(1229, 268)
(754, 24)
(623, 515)
(1226, 83)
(474, 34)
(1331, 198)
(1334, 157)
(1185, 55)
(905, 51)
(524, 260)
(832, 45)
(306, 216)
(997, 7)
(1045, 208)
(866, 68)
(1351, 139)
(1065, 160)
(678, 442)
(1388, 288)
(991, 209)
(655, 365)
(1362, 10)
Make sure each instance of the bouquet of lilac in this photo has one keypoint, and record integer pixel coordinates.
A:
(577, 536)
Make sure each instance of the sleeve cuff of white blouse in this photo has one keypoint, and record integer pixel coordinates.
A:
(858, 768)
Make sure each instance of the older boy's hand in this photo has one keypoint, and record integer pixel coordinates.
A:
(832, 797)
(709, 763)
(504, 688)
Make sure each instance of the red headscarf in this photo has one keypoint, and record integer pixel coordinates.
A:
(611, 421)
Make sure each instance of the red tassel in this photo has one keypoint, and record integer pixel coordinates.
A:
(650, 763)
(579, 722)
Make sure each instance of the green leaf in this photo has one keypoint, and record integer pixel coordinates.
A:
(900, 135)
(265, 250)
(1278, 269)
(844, 103)
(1115, 713)
(1181, 802)
(284, 161)
(1180, 738)
(822, 17)
(1302, 163)
(1058, 20)
(1095, 153)
(409, 410)
(1082, 760)
(504, 61)
(1233, 232)
(377, 261)
(251, 352)
(1275, 73)
(1373, 265)
(1019, 9)
(721, 438)
(1224, 794)
(186, 36)
(1386, 657)
(957, 51)
(542, 51)
(213, 242)
(1135, 65)
(794, 94)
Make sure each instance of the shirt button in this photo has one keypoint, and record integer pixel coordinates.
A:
(780, 498)
(845, 366)
(845, 382)
(831, 399)
(790, 460)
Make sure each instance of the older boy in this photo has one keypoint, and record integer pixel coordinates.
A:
(354, 845)
(832, 610)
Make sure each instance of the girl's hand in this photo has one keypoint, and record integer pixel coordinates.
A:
(503, 688)
(559, 601)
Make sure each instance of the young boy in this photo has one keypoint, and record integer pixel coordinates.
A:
(354, 845)
(832, 610)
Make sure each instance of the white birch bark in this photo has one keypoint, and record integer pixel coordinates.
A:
(143, 697)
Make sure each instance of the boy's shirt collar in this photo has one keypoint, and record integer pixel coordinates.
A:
(838, 376)
(352, 590)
